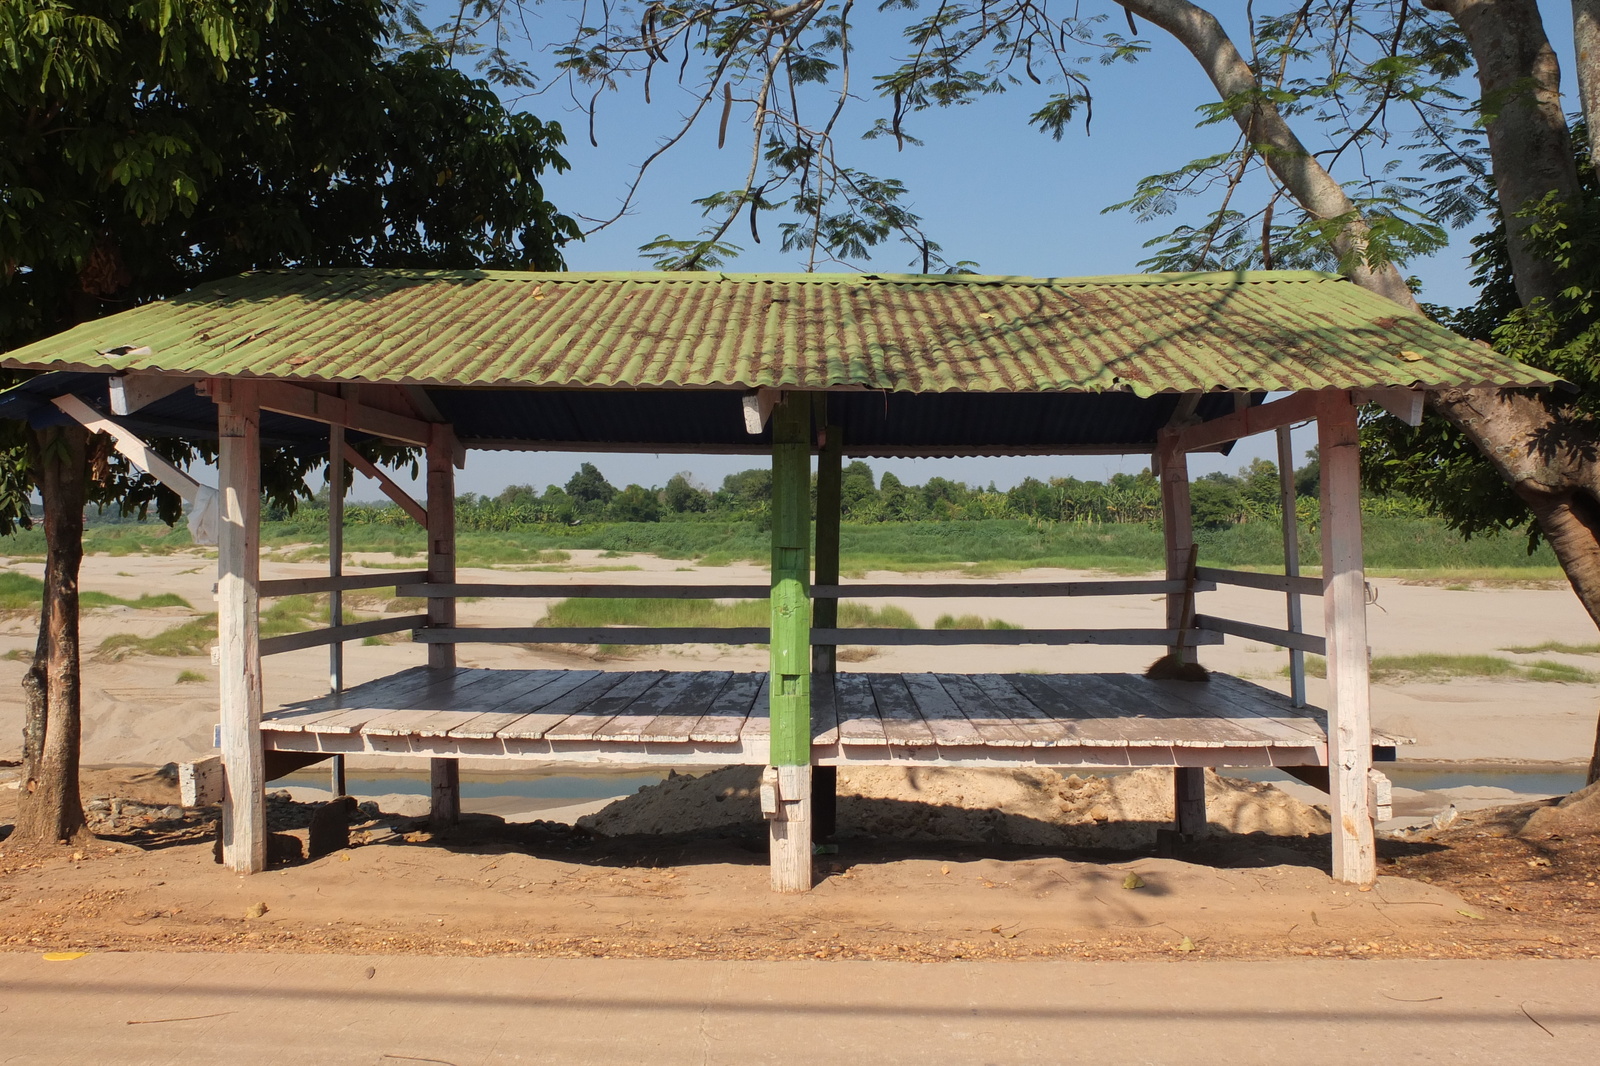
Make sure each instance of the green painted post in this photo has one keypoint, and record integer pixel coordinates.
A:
(790, 701)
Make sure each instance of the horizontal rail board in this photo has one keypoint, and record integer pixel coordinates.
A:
(1305, 586)
(300, 586)
(1266, 634)
(593, 635)
(641, 592)
(987, 589)
(998, 589)
(339, 634)
(944, 637)
(828, 637)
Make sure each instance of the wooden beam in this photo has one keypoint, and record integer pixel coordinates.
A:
(1010, 637)
(1404, 404)
(593, 635)
(137, 390)
(335, 635)
(758, 407)
(244, 808)
(1177, 530)
(1283, 638)
(300, 586)
(789, 699)
(440, 520)
(825, 570)
(1345, 623)
(1189, 799)
(388, 485)
(1288, 500)
(336, 494)
(300, 402)
(819, 592)
(1298, 407)
(130, 446)
(1302, 586)
(494, 590)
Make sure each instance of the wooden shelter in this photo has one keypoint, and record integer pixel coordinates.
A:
(798, 366)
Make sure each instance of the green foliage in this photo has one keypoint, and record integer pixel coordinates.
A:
(148, 146)
(707, 614)
(1433, 666)
(19, 592)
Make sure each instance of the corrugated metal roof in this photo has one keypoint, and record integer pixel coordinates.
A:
(1257, 331)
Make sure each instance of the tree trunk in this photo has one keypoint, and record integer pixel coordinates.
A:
(49, 808)
(1531, 155)
(1313, 188)
(1586, 45)
(1530, 147)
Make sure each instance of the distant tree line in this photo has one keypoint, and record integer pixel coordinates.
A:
(1219, 500)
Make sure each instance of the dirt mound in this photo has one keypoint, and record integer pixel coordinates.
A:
(1574, 815)
(1030, 806)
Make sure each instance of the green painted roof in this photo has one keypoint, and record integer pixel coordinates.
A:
(1257, 331)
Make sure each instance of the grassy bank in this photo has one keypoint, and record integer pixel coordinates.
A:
(1394, 545)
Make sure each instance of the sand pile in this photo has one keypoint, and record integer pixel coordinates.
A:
(1574, 815)
(1031, 806)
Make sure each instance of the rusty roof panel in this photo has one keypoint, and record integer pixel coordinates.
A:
(1145, 334)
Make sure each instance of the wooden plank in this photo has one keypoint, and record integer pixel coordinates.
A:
(1041, 729)
(903, 725)
(516, 709)
(725, 717)
(594, 635)
(1006, 637)
(1265, 634)
(437, 709)
(1344, 611)
(668, 710)
(757, 728)
(1001, 589)
(316, 638)
(993, 726)
(536, 724)
(1297, 407)
(133, 391)
(586, 722)
(1264, 703)
(1099, 713)
(940, 713)
(504, 590)
(301, 586)
(244, 804)
(1187, 708)
(824, 713)
(680, 722)
(1305, 586)
(857, 708)
(200, 782)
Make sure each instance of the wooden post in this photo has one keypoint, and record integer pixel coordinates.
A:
(1177, 527)
(1291, 562)
(1345, 624)
(825, 609)
(335, 569)
(445, 773)
(789, 704)
(244, 804)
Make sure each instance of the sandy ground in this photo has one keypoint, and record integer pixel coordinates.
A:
(135, 711)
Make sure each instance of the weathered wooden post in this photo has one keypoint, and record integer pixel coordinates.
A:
(1344, 605)
(445, 774)
(1177, 525)
(336, 776)
(1291, 561)
(825, 613)
(789, 705)
(244, 803)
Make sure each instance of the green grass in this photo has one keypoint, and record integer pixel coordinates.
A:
(1555, 646)
(21, 592)
(190, 677)
(188, 638)
(707, 613)
(971, 621)
(1434, 666)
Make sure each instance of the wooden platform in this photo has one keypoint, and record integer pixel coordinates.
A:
(563, 717)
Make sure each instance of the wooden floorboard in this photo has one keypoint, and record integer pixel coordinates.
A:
(863, 712)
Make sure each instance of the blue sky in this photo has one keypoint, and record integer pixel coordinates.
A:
(988, 187)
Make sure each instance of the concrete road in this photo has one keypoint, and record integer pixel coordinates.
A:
(245, 1010)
